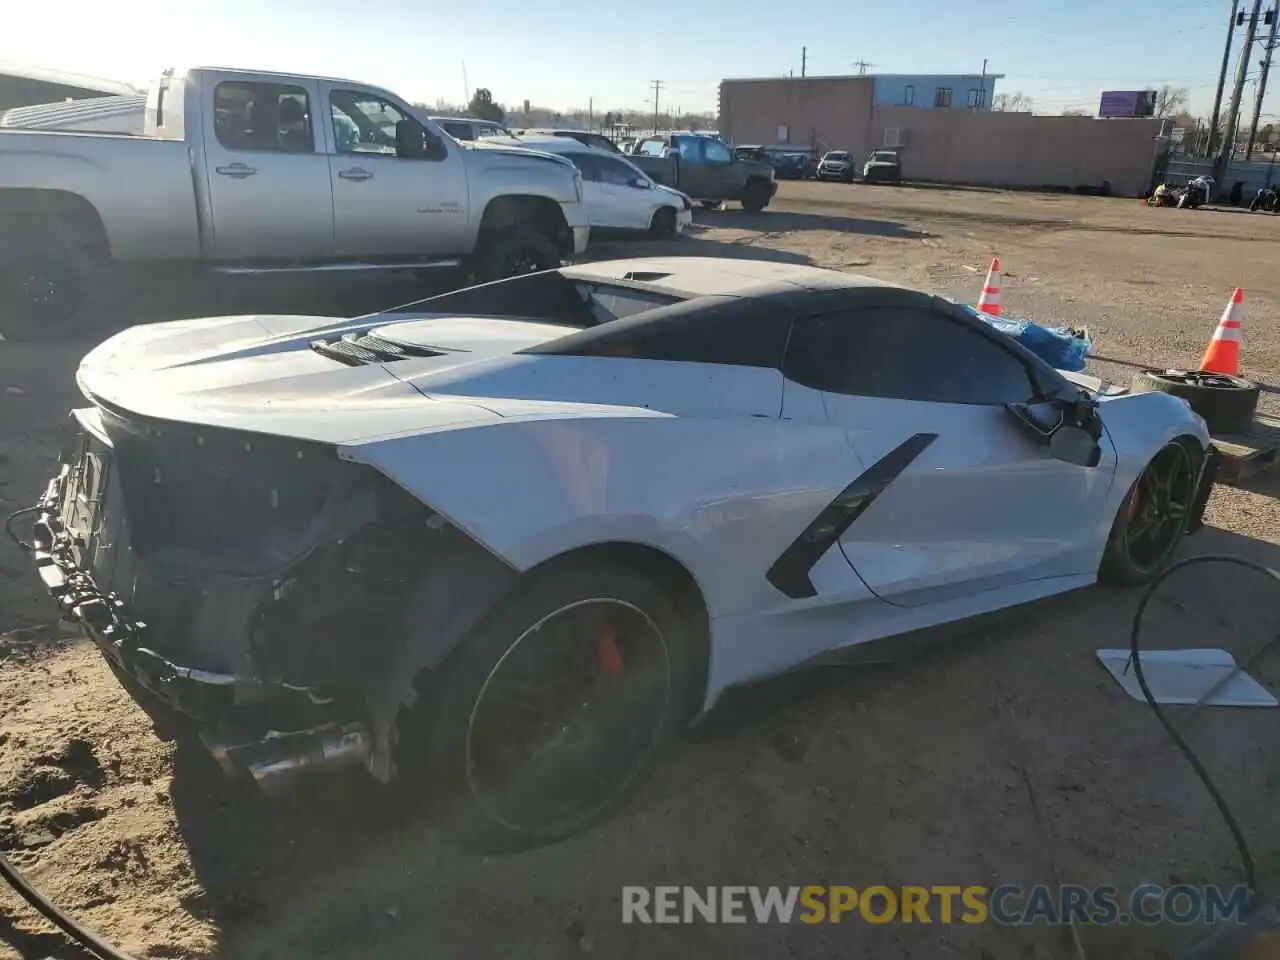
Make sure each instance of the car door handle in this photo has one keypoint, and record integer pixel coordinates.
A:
(355, 173)
(237, 170)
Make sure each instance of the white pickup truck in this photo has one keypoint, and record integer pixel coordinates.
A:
(251, 172)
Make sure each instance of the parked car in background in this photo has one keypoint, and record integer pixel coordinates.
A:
(705, 168)
(621, 199)
(751, 152)
(836, 165)
(468, 128)
(793, 164)
(585, 137)
(882, 166)
(253, 172)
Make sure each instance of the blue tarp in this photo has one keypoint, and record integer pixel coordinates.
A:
(1057, 346)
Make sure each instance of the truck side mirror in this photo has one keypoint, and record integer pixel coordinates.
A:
(411, 141)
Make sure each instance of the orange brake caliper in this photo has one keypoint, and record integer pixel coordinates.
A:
(607, 653)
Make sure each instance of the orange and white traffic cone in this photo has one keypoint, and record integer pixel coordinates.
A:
(1223, 354)
(989, 302)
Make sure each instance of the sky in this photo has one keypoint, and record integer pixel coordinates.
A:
(582, 52)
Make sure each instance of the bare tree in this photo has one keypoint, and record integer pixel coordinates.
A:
(1171, 101)
(1012, 103)
(1077, 112)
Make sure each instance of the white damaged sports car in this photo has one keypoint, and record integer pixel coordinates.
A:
(512, 540)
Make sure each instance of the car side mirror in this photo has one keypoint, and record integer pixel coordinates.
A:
(1070, 431)
(1075, 445)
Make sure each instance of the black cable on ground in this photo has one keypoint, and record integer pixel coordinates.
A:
(8, 528)
(1242, 846)
(85, 938)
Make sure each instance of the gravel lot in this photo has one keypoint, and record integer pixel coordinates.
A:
(1005, 757)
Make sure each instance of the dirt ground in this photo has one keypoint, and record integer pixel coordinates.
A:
(1006, 757)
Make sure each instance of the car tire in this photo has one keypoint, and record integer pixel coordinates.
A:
(755, 196)
(454, 761)
(1227, 404)
(509, 253)
(663, 224)
(50, 290)
(1123, 564)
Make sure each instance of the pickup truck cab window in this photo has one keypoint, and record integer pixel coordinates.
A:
(689, 148)
(380, 128)
(715, 151)
(263, 116)
(652, 148)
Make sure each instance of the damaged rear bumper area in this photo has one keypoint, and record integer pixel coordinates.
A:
(255, 586)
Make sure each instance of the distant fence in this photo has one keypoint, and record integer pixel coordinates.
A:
(1252, 173)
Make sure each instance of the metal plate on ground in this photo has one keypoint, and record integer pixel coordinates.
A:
(1188, 677)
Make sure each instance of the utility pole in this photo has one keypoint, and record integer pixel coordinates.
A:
(982, 84)
(1222, 79)
(1273, 15)
(1233, 114)
(591, 117)
(862, 66)
(657, 89)
(804, 60)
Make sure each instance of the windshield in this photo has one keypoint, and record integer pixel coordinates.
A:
(837, 155)
(883, 156)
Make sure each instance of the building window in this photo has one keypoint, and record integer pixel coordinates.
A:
(909, 95)
(975, 99)
(942, 97)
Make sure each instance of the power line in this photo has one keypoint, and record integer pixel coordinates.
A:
(1222, 76)
(1264, 71)
(1233, 115)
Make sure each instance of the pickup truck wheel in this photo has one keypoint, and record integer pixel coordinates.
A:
(510, 253)
(755, 196)
(44, 288)
(663, 225)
